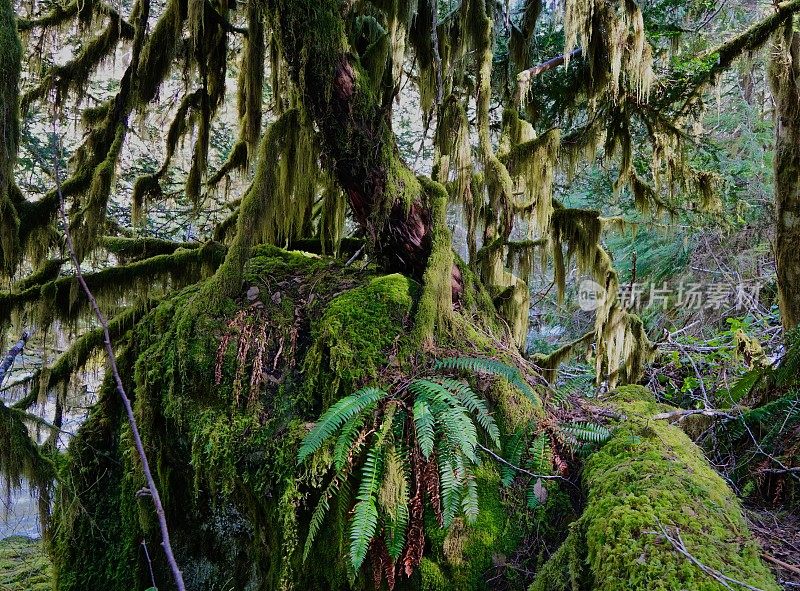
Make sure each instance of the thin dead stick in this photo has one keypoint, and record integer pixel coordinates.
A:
(112, 360)
(8, 360)
(680, 546)
(502, 460)
(552, 63)
(781, 563)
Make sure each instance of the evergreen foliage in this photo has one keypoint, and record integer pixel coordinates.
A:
(422, 437)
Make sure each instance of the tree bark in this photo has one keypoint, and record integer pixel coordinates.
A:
(352, 114)
(783, 73)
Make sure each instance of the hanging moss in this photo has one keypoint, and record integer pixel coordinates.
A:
(72, 77)
(272, 208)
(59, 297)
(159, 52)
(20, 457)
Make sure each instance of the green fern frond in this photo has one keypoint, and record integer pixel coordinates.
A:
(541, 454)
(365, 513)
(744, 385)
(318, 516)
(424, 423)
(396, 532)
(348, 435)
(362, 530)
(450, 484)
(336, 416)
(476, 405)
(434, 392)
(469, 502)
(459, 430)
(514, 449)
(584, 432)
(492, 367)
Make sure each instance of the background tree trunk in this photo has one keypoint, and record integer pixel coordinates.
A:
(784, 73)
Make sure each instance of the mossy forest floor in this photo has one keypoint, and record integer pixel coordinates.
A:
(23, 565)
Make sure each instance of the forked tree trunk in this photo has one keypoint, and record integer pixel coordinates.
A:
(784, 77)
(352, 114)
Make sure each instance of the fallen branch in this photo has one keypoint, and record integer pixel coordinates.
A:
(112, 360)
(8, 360)
(707, 412)
(781, 563)
(680, 546)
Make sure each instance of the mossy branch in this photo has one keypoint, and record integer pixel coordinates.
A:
(180, 268)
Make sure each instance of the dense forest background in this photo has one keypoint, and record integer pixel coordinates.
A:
(612, 220)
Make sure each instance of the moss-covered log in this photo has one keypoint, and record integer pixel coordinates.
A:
(650, 493)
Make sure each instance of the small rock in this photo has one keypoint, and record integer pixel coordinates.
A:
(276, 297)
(252, 293)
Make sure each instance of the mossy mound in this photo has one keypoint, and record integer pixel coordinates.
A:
(24, 565)
(647, 481)
(223, 394)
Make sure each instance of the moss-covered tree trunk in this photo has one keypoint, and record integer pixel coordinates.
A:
(784, 78)
(350, 104)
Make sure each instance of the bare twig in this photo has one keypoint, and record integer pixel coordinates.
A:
(552, 63)
(504, 461)
(700, 381)
(355, 256)
(149, 564)
(8, 360)
(680, 546)
(112, 360)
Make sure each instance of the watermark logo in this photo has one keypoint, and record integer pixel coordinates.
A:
(687, 295)
(591, 295)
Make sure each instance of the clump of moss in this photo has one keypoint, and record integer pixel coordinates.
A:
(463, 556)
(360, 330)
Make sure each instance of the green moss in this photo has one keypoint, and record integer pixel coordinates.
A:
(226, 462)
(436, 302)
(358, 330)
(10, 68)
(648, 476)
(462, 556)
(514, 409)
(24, 565)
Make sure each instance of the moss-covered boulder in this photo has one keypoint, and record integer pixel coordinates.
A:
(653, 500)
(224, 393)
